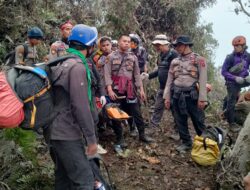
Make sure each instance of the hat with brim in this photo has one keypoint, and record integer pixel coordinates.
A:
(183, 39)
(161, 39)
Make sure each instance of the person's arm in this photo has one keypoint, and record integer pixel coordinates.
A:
(138, 81)
(108, 78)
(19, 55)
(202, 69)
(153, 74)
(100, 83)
(225, 69)
(136, 73)
(78, 91)
(167, 89)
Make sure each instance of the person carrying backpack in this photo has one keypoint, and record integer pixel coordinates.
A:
(26, 54)
(74, 124)
(186, 72)
(235, 70)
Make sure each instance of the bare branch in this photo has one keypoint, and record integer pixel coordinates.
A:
(243, 9)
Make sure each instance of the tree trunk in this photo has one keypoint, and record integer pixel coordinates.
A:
(241, 148)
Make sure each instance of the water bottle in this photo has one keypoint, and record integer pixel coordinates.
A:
(99, 186)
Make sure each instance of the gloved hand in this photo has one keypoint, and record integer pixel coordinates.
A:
(247, 79)
(103, 100)
(144, 76)
(239, 80)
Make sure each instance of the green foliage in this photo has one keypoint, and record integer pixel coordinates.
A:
(25, 139)
(22, 167)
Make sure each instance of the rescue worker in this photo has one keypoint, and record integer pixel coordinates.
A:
(187, 72)
(65, 29)
(99, 58)
(122, 78)
(235, 70)
(26, 54)
(74, 122)
(162, 45)
(140, 52)
(59, 47)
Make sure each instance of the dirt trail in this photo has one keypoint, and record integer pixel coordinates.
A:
(140, 170)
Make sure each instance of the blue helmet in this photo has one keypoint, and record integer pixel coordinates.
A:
(35, 32)
(84, 34)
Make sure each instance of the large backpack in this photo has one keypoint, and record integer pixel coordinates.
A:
(207, 148)
(10, 58)
(32, 88)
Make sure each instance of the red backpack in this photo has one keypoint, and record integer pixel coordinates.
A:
(11, 109)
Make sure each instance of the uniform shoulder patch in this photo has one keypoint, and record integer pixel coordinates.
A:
(202, 61)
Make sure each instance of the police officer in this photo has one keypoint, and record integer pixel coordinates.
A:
(139, 51)
(186, 73)
(26, 54)
(122, 78)
(235, 71)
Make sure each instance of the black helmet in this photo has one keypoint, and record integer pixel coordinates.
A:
(35, 32)
(134, 38)
(183, 39)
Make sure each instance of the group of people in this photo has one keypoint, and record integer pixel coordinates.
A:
(114, 72)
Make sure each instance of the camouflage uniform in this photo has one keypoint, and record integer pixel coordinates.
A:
(186, 73)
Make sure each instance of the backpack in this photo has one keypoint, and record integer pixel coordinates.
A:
(11, 107)
(35, 89)
(101, 173)
(207, 148)
(32, 88)
(10, 58)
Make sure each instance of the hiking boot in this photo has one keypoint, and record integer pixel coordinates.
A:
(118, 149)
(175, 136)
(145, 139)
(122, 143)
(183, 148)
(101, 150)
(133, 133)
(234, 127)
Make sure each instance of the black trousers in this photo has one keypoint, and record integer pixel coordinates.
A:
(233, 91)
(133, 110)
(72, 168)
(197, 116)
